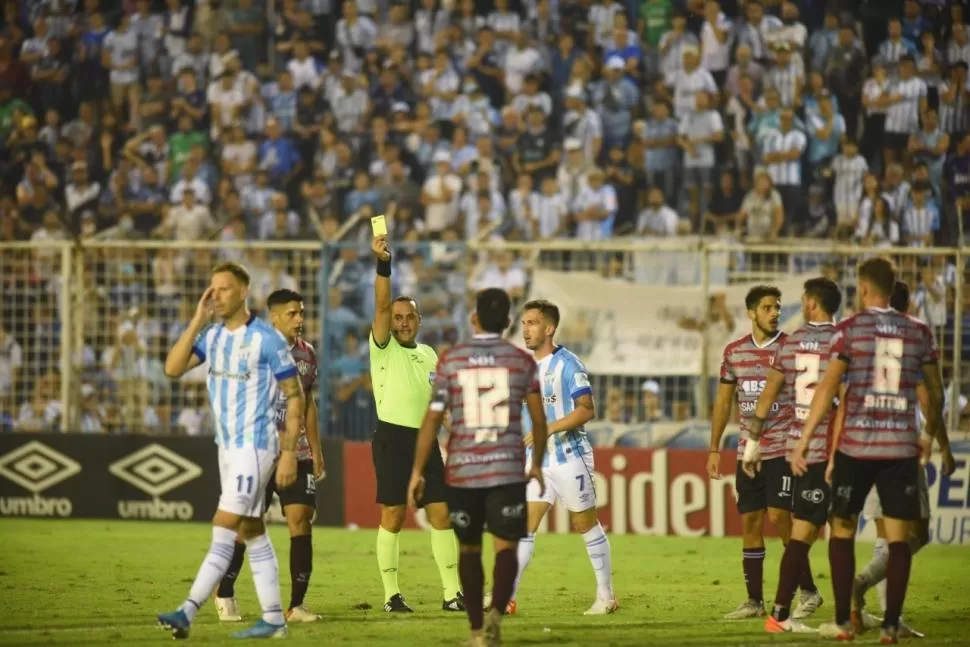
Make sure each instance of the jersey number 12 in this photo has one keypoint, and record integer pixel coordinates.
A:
(485, 400)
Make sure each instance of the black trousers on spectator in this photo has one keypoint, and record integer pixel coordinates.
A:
(794, 204)
(850, 107)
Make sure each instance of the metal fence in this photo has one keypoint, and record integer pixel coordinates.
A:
(84, 328)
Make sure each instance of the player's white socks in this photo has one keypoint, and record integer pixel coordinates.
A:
(598, 549)
(527, 546)
(214, 566)
(266, 577)
(874, 574)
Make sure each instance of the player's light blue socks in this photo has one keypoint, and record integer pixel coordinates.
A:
(266, 577)
(598, 549)
(527, 546)
(213, 567)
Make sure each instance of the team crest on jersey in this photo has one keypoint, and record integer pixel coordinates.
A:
(549, 379)
(303, 366)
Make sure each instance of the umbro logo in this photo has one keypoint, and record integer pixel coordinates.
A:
(155, 470)
(36, 467)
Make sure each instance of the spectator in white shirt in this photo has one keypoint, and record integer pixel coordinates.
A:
(522, 59)
(548, 211)
(440, 195)
(304, 68)
(502, 272)
(716, 40)
(658, 219)
(699, 132)
(595, 209)
(762, 213)
(782, 151)
(687, 83)
(908, 100)
(189, 221)
(850, 169)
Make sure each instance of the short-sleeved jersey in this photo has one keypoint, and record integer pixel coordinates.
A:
(306, 365)
(563, 379)
(803, 357)
(402, 379)
(483, 383)
(885, 351)
(245, 366)
(745, 364)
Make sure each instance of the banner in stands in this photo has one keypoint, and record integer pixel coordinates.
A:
(622, 328)
(127, 477)
(665, 492)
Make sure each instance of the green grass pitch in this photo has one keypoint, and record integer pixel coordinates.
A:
(101, 582)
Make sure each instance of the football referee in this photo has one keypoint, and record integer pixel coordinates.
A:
(402, 372)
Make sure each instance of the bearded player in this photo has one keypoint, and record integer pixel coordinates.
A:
(483, 383)
(567, 469)
(882, 355)
(744, 372)
(298, 501)
(799, 363)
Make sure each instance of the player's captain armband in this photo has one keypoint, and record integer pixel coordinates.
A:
(581, 381)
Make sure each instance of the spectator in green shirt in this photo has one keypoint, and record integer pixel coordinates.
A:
(180, 146)
(655, 19)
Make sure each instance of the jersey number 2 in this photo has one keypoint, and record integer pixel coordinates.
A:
(807, 365)
(485, 401)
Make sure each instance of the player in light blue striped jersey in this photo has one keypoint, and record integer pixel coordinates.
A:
(568, 465)
(249, 365)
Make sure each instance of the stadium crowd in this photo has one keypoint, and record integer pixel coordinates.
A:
(249, 120)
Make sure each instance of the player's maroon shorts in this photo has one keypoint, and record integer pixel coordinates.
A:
(896, 481)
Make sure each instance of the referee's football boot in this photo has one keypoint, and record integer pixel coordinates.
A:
(397, 605)
(176, 622)
(455, 604)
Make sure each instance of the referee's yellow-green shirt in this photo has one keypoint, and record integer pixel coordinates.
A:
(402, 379)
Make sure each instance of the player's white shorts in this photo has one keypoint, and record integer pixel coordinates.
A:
(244, 474)
(872, 509)
(571, 483)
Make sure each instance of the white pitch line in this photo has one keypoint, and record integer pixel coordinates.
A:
(44, 630)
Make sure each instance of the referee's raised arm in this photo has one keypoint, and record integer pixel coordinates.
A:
(381, 327)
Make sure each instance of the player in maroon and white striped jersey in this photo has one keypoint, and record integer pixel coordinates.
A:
(299, 501)
(483, 383)
(882, 355)
(744, 372)
(874, 573)
(799, 363)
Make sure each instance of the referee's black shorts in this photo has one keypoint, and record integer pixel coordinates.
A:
(392, 449)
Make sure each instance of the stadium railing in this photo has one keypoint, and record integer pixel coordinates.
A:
(92, 321)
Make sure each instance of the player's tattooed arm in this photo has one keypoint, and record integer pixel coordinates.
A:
(295, 412)
(767, 398)
(930, 395)
(584, 412)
